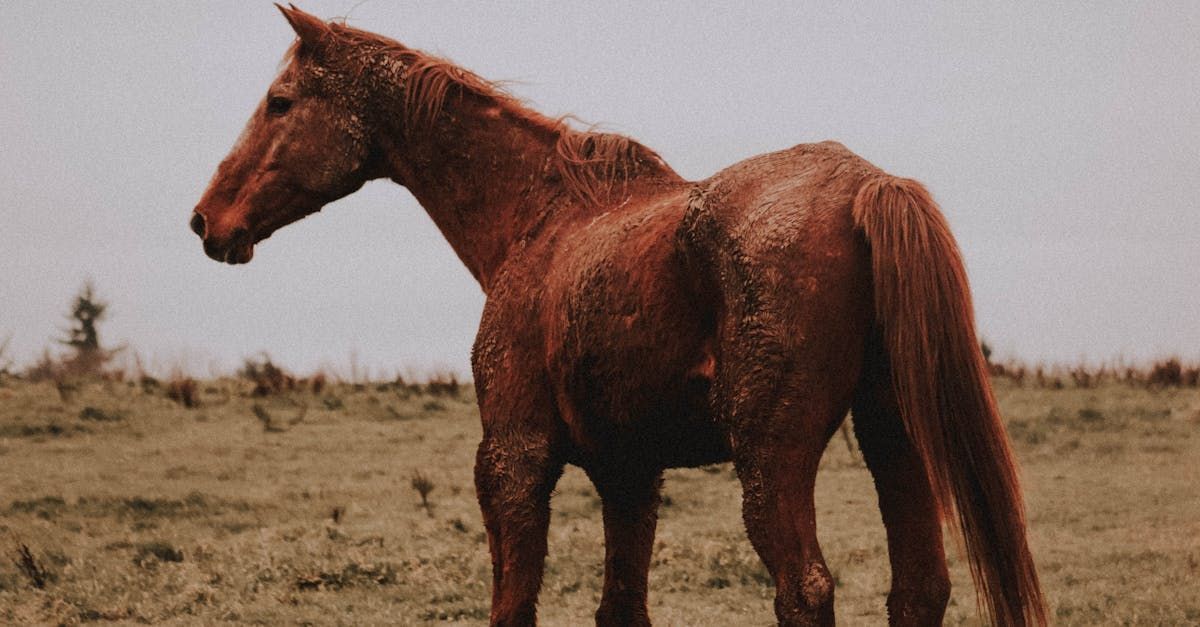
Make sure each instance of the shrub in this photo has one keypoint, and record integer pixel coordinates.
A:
(423, 485)
(183, 390)
(1166, 373)
(443, 384)
(268, 378)
(317, 382)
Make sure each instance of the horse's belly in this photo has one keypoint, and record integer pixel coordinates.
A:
(631, 407)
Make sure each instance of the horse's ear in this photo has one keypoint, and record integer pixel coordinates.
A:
(313, 32)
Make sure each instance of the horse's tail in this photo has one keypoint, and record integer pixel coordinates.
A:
(923, 308)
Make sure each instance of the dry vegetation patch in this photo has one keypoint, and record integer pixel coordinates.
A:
(331, 503)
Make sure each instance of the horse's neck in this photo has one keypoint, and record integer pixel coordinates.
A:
(484, 176)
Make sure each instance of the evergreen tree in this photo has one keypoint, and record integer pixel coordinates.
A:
(83, 336)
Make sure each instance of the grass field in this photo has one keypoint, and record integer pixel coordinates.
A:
(301, 508)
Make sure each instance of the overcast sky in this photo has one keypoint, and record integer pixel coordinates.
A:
(1063, 143)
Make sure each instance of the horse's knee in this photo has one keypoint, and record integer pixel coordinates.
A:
(920, 604)
(806, 599)
(515, 471)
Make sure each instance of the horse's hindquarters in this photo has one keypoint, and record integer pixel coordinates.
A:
(791, 277)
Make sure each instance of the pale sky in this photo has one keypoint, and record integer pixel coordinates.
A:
(1063, 144)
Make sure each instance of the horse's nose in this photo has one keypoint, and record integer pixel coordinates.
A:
(197, 224)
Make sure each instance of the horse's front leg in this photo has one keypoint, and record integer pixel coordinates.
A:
(630, 502)
(515, 472)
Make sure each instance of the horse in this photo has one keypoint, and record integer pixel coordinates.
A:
(636, 321)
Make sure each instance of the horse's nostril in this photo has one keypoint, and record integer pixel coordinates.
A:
(198, 224)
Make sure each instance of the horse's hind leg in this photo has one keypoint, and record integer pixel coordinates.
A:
(777, 465)
(920, 584)
(783, 403)
(630, 502)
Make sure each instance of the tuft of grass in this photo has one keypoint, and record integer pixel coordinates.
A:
(352, 574)
(266, 419)
(149, 384)
(423, 485)
(183, 390)
(150, 552)
(66, 387)
(268, 379)
(317, 383)
(97, 414)
(443, 384)
(38, 432)
(28, 565)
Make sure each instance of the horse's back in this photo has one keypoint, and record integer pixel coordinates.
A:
(798, 197)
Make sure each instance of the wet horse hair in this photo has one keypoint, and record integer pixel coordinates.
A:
(637, 321)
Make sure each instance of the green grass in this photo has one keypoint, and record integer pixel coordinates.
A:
(304, 511)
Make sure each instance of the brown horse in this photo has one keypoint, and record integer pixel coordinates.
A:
(636, 321)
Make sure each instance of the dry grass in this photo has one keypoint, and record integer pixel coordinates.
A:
(228, 513)
(1164, 373)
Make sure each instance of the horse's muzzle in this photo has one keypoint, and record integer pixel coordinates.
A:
(236, 249)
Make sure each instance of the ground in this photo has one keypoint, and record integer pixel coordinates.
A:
(304, 510)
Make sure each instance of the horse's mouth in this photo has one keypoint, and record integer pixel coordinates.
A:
(237, 250)
(239, 254)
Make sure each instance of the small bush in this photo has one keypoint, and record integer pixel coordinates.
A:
(317, 383)
(443, 384)
(1085, 378)
(183, 390)
(1168, 373)
(268, 378)
(423, 485)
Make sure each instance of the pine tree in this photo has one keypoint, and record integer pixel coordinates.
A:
(83, 336)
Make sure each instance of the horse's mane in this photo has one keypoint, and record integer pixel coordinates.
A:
(589, 162)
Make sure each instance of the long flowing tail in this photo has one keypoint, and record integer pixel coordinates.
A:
(923, 305)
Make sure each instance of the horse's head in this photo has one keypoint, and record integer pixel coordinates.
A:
(306, 145)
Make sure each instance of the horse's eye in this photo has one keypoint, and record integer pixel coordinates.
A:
(278, 105)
